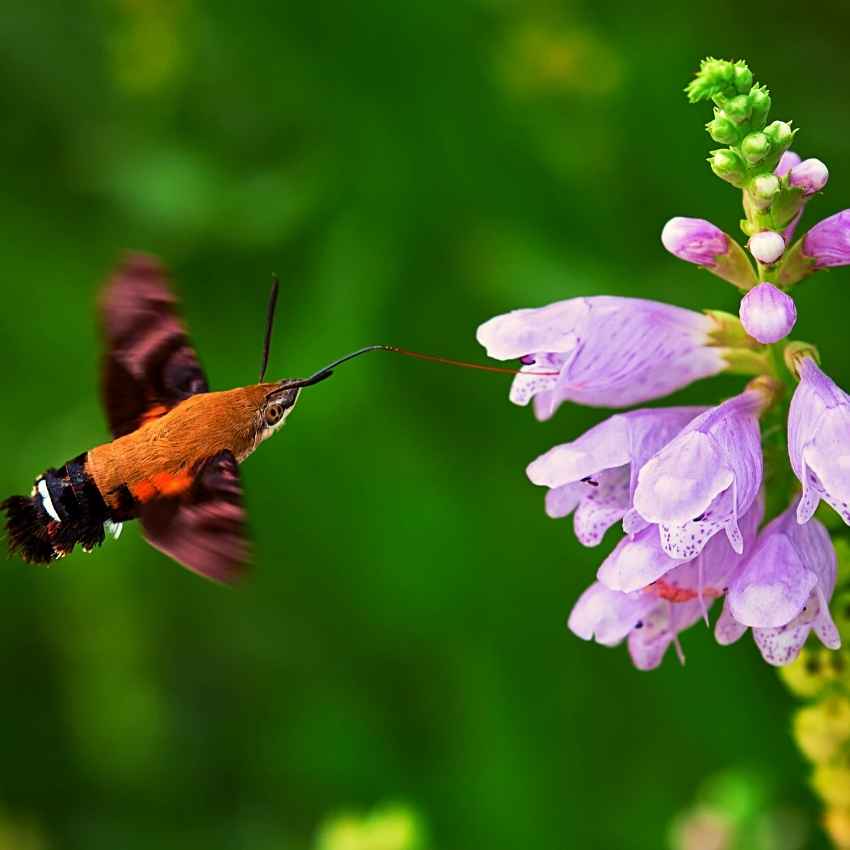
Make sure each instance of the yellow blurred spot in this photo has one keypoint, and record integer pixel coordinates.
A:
(837, 824)
(821, 730)
(543, 58)
(832, 783)
(393, 827)
(146, 44)
(810, 673)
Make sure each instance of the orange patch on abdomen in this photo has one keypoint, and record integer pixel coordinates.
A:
(161, 484)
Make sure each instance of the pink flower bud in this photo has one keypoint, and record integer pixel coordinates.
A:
(767, 313)
(694, 240)
(767, 247)
(810, 175)
(788, 160)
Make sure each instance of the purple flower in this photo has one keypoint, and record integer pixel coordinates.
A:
(639, 563)
(786, 162)
(767, 247)
(782, 590)
(650, 624)
(652, 615)
(767, 313)
(608, 351)
(694, 240)
(704, 479)
(595, 475)
(809, 176)
(819, 441)
(828, 242)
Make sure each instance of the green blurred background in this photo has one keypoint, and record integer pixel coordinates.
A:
(409, 169)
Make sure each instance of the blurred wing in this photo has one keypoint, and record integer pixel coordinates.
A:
(150, 365)
(204, 530)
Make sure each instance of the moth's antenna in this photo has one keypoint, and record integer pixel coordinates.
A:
(267, 342)
(322, 374)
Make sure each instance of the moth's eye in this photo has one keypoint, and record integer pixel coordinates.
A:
(273, 414)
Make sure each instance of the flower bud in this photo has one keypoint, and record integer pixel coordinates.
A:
(759, 106)
(809, 176)
(827, 244)
(743, 78)
(788, 160)
(767, 313)
(722, 130)
(738, 108)
(694, 240)
(698, 241)
(763, 189)
(767, 247)
(780, 133)
(727, 165)
(755, 147)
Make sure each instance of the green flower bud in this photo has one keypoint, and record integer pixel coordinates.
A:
(722, 130)
(763, 189)
(743, 77)
(780, 133)
(715, 76)
(738, 108)
(759, 105)
(728, 166)
(755, 147)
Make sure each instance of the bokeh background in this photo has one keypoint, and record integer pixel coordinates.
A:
(409, 169)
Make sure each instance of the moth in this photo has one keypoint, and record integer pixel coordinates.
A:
(174, 459)
(173, 462)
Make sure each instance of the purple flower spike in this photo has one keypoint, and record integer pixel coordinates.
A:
(767, 313)
(810, 176)
(694, 240)
(704, 480)
(595, 475)
(608, 351)
(819, 442)
(767, 247)
(782, 590)
(828, 242)
(787, 161)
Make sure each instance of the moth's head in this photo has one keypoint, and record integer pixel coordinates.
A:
(276, 402)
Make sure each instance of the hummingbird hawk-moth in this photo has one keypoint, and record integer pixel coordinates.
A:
(173, 462)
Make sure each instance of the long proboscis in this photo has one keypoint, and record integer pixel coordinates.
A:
(328, 370)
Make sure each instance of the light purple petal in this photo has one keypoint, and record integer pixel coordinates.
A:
(767, 247)
(562, 501)
(819, 441)
(828, 242)
(607, 616)
(781, 646)
(727, 629)
(604, 503)
(661, 627)
(636, 562)
(774, 587)
(610, 351)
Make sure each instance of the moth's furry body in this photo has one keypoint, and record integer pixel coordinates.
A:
(172, 446)
(173, 460)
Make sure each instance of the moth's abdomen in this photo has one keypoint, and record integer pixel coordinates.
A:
(65, 508)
